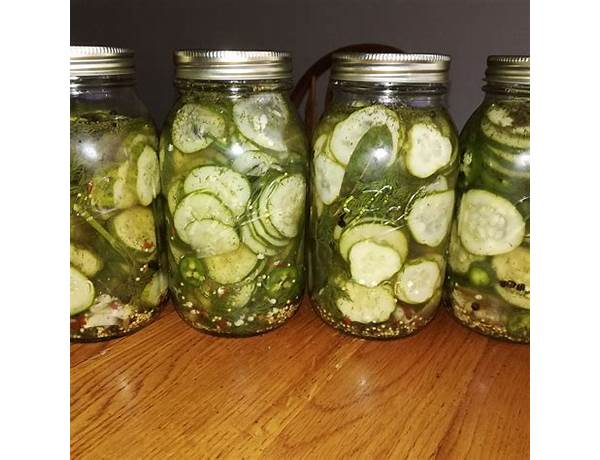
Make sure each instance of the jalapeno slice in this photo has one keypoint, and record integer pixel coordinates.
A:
(282, 281)
(192, 271)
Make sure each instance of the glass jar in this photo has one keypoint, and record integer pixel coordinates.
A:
(384, 172)
(489, 251)
(234, 165)
(116, 283)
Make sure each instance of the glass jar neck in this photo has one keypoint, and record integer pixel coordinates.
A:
(232, 86)
(494, 90)
(411, 94)
(107, 81)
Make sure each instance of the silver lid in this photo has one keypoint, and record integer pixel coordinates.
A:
(507, 70)
(391, 67)
(232, 65)
(99, 61)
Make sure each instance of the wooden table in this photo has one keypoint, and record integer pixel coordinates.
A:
(302, 391)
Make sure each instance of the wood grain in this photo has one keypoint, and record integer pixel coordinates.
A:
(302, 391)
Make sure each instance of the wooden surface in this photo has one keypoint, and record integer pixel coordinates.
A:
(302, 391)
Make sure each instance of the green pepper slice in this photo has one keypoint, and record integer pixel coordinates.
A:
(282, 281)
(192, 271)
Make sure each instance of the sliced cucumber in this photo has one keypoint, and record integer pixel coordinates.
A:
(174, 195)
(82, 292)
(418, 281)
(372, 263)
(209, 237)
(329, 176)
(507, 125)
(286, 205)
(124, 195)
(512, 271)
(489, 224)
(252, 163)
(86, 261)
(366, 305)
(255, 243)
(427, 150)
(430, 216)
(135, 228)
(231, 267)
(112, 190)
(197, 206)
(502, 169)
(347, 133)
(239, 296)
(440, 184)
(262, 118)
(231, 187)
(381, 234)
(459, 258)
(155, 291)
(148, 176)
(195, 127)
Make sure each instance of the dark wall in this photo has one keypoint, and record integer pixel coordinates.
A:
(468, 30)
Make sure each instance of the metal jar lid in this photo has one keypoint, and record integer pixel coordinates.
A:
(391, 67)
(507, 70)
(100, 61)
(232, 65)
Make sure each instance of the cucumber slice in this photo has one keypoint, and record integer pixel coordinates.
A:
(372, 263)
(195, 127)
(82, 292)
(135, 228)
(440, 184)
(499, 168)
(231, 267)
(210, 237)
(231, 187)
(286, 205)
(124, 195)
(329, 176)
(418, 281)
(174, 195)
(262, 118)
(512, 271)
(507, 125)
(148, 176)
(489, 224)
(430, 216)
(85, 261)
(427, 150)
(382, 234)
(239, 296)
(254, 243)
(459, 258)
(263, 235)
(155, 291)
(197, 206)
(262, 210)
(366, 305)
(112, 190)
(347, 133)
(254, 163)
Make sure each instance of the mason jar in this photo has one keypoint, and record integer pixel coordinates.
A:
(116, 282)
(233, 167)
(489, 250)
(384, 173)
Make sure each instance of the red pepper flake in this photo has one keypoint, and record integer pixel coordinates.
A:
(77, 322)
(90, 186)
(347, 321)
(148, 244)
(221, 324)
(114, 305)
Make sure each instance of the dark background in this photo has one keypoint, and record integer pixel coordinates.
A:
(468, 30)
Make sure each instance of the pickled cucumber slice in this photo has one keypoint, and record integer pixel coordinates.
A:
(155, 291)
(86, 261)
(418, 280)
(148, 176)
(512, 271)
(507, 125)
(262, 118)
(489, 224)
(229, 186)
(329, 176)
(427, 150)
(174, 195)
(209, 237)
(200, 205)
(430, 216)
(372, 263)
(286, 205)
(135, 228)
(195, 127)
(82, 292)
(240, 295)
(459, 258)
(366, 305)
(254, 243)
(231, 267)
(347, 133)
(382, 234)
(254, 163)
